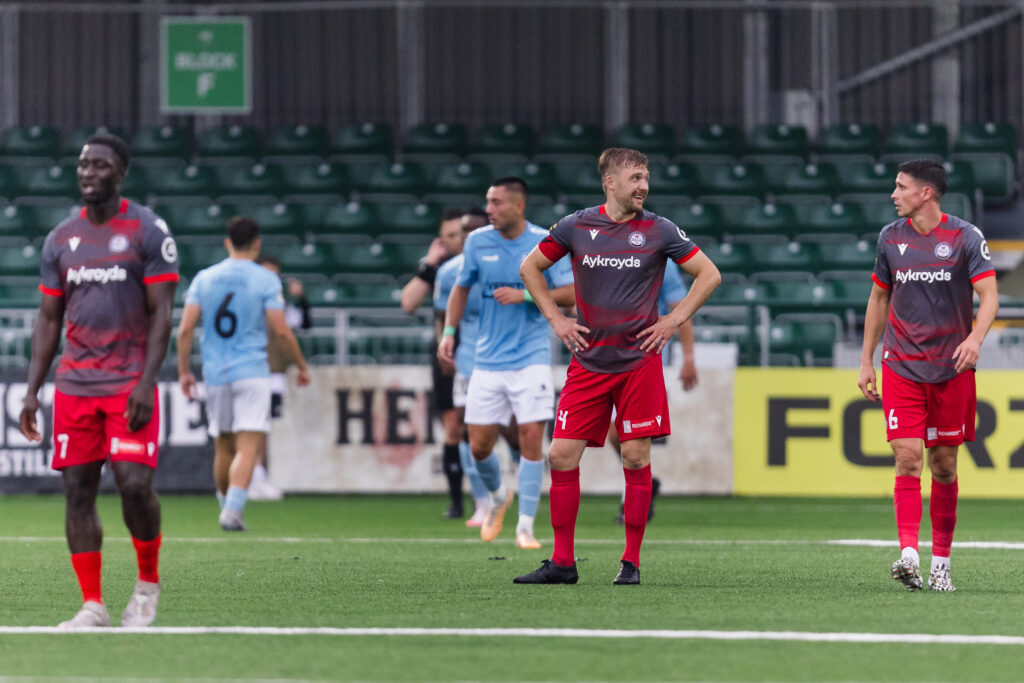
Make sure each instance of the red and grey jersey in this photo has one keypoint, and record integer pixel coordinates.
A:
(618, 269)
(102, 272)
(930, 281)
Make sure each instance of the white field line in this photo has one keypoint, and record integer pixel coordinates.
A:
(851, 542)
(664, 634)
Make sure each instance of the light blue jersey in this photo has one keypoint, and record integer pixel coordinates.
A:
(673, 290)
(234, 296)
(515, 336)
(469, 328)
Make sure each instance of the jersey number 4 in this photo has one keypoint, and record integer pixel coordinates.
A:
(225, 322)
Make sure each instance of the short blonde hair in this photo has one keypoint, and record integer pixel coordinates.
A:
(615, 158)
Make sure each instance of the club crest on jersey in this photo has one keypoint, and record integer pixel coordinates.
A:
(943, 250)
(637, 239)
(118, 243)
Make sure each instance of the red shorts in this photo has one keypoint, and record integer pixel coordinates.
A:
(639, 397)
(942, 413)
(88, 428)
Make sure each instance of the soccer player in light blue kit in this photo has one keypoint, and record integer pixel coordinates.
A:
(237, 300)
(512, 371)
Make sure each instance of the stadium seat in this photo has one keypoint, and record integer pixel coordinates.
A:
(366, 258)
(697, 219)
(405, 250)
(959, 205)
(959, 178)
(162, 141)
(75, 139)
(404, 217)
(851, 288)
(581, 180)
(570, 138)
(250, 179)
(296, 141)
(917, 138)
(30, 143)
(367, 289)
(735, 290)
(187, 219)
(547, 214)
(230, 141)
(351, 219)
(777, 139)
(673, 180)
(276, 219)
(45, 217)
(193, 257)
(18, 221)
(171, 181)
(435, 138)
(18, 292)
(9, 188)
(850, 255)
(731, 179)
(993, 173)
(878, 211)
(711, 140)
(796, 256)
(136, 184)
(541, 177)
(367, 140)
(20, 258)
(503, 139)
(830, 217)
(866, 178)
(657, 140)
(764, 219)
(403, 179)
(849, 138)
(804, 179)
(730, 257)
(792, 290)
(459, 182)
(50, 181)
(809, 336)
(988, 136)
(318, 178)
(306, 258)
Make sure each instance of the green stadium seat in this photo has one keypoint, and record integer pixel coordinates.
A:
(250, 179)
(306, 258)
(50, 181)
(296, 141)
(277, 219)
(367, 289)
(764, 219)
(830, 217)
(804, 179)
(368, 140)
(778, 139)
(657, 140)
(9, 187)
(580, 179)
(75, 139)
(796, 256)
(403, 179)
(917, 138)
(351, 219)
(162, 141)
(851, 288)
(421, 218)
(793, 290)
(959, 178)
(541, 177)
(500, 139)
(317, 178)
(849, 138)
(866, 178)
(187, 219)
(570, 138)
(230, 141)
(136, 184)
(371, 257)
(466, 179)
(711, 140)
(436, 138)
(850, 255)
(192, 180)
(546, 214)
(809, 336)
(20, 258)
(17, 220)
(673, 179)
(993, 174)
(194, 256)
(877, 211)
(731, 179)
(959, 205)
(45, 217)
(987, 136)
(736, 290)
(405, 250)
(730, 257)
(31, 142)
(697, 219)
(21, 292)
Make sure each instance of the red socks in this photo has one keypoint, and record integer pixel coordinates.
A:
(148, 554)
(564, 501)
(942, 508)
(907, 501)
(87, 568)
(635, 509)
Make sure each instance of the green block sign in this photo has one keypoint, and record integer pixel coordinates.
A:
(206, 65)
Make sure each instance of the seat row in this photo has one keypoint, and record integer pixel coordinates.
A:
(662, 139)
(466, 182)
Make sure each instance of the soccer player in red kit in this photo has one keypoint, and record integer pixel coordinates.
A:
(928, 267)
(110, 271)
(619, 252)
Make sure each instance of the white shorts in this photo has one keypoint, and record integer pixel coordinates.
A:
(242, 406)
(460, 389)
(495, 395)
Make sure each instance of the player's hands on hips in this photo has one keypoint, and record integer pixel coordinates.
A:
(446, 349)
(508, 295)
(658, 335)
(139, 410)
(570, 332)
(688, 375)
(187, 382)
(966, 355)
(868, 383)
(303, 377)
(28, 418)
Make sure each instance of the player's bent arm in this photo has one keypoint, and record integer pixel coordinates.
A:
(414, 293)
(706, 279)
(532, 273)
(565, 295)
(279, 326)
(45, 340)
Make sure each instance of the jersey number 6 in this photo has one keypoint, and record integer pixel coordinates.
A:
(225, 322)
